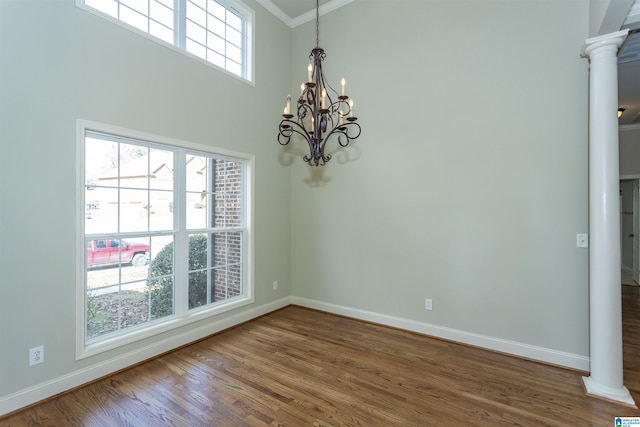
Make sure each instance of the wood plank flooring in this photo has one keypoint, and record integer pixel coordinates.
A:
(298, 367)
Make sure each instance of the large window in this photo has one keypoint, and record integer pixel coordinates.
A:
(164, 232)
(218, 31)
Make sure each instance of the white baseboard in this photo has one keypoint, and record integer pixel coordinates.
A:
(542, 354)
(58, 385)
(41, 391)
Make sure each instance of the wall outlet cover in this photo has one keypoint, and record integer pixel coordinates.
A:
(36, 355)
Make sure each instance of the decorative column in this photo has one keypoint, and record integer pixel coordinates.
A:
(605, 297)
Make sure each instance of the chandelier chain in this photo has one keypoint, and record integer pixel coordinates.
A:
(317, 23)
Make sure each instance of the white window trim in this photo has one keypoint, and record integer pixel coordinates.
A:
(83, 349)
(249, 42)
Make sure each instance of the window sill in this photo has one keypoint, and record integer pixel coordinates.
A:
(91, 348)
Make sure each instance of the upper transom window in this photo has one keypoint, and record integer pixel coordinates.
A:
(214, 30)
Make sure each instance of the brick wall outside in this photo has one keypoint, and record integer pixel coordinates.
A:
(227, 213)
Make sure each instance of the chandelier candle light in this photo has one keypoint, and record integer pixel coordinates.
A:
(319, 115)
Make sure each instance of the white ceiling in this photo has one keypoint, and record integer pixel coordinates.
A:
(296, 12)
(634, 13)
(295, 8)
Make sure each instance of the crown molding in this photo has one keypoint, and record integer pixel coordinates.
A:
(324, 9)
(276, 11)
(305, 17)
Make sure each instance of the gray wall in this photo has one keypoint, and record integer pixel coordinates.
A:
(629, 138)
(60, 63)
(469, 182)
(626, 223)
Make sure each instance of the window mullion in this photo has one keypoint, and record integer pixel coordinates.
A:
(245, 48)
(180, 23)
(181, 244)
(211, 224)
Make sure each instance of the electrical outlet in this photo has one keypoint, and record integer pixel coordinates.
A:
(275, 285)
(36, 355)
(428, 304)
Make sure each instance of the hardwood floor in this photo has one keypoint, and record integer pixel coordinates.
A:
(298, 367)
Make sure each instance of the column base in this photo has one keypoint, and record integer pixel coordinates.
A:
(619, 395)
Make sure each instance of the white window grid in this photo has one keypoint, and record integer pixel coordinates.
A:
(180, 235)
(214, 33)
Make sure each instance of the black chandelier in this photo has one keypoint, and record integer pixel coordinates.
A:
(319, 114)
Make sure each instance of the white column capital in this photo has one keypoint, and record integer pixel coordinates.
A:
(608, 40)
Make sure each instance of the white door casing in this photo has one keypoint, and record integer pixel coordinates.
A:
(636, 231)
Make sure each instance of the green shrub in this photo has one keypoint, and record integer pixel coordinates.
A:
(161, 277)
(198, 279)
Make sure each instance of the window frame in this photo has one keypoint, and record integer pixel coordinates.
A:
(182, 316)
(248, 41)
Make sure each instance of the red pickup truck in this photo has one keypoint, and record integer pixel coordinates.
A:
(103, 252)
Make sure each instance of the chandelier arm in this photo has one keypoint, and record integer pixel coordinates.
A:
(303, 109)
(343, 131)
(334, 107)
(317, 158)
(326, 84)
(347, 136)
(320, 55)
(308, 97)
(287, 128)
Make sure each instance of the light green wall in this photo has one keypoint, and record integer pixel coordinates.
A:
(597, 12)
(469, 182)
(60, 63)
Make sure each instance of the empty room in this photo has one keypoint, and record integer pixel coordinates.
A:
(319, 213)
